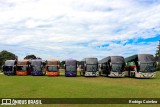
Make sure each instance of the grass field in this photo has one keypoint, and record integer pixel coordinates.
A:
(79, 87)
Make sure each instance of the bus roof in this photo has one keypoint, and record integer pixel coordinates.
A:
(70, 62)
(90, 60)
(146, 57)
(141, 57)
(104, 60)
(10, 62)
(53, 60)
(36, 62)
(131, 58)
(117, 59)
(24, 60)
(113, 59)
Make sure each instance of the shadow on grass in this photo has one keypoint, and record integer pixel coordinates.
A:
(146, 78)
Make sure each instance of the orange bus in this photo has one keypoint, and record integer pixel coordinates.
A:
(23, 67)
(52, 67)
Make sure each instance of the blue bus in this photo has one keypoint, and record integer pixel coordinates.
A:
(37, 67)
(70, 68)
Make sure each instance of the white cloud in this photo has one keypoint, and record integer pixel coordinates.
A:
(69, 28)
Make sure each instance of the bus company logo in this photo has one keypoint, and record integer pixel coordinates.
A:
(20, 101)
(7, 102)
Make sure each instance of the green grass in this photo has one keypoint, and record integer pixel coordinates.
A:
(79, 87)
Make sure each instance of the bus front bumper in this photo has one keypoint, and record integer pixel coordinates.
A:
(69, 74)
(8, 73)
(90, 74)
(52, 73)
(21, 73)
(36, 73)
(145, 75)
(117, 74)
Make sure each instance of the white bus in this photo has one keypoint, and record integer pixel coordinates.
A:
(89, 67)
(112, 66)
(141, 66)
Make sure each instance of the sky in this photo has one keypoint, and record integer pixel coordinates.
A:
(79, 28)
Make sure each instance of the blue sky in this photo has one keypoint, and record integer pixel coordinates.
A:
(79, 28)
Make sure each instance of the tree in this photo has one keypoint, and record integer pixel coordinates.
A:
(38, 58)
(5, 55)
(157, 55)
(62, 64)
(79, 62)
(30, 57)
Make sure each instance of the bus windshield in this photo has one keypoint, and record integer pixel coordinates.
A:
(91, 68)
(37, 68)
(71, 68)
(117, 67)
(52, 68)
(21, 68)
(7, 68)
(147, 67)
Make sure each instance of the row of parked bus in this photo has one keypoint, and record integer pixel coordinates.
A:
(139, 66)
